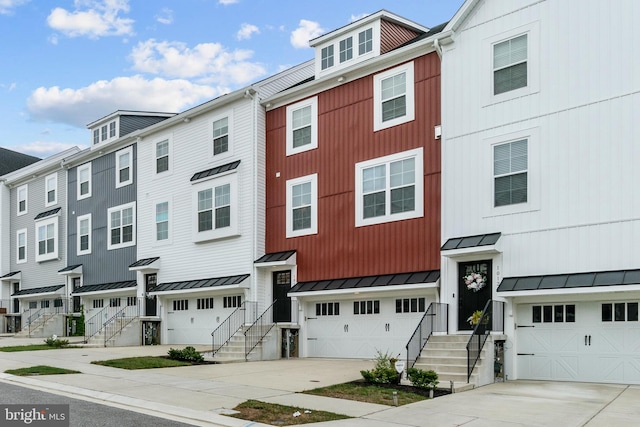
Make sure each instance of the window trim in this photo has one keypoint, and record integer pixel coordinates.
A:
(86, 166)
(309, 102)
(24, 187)
(408, 70)
(81, 218)
(118, 154)
(53, 176)
(168, 156)
(230, 132)
(313, 180)
(51, 220)
(120, 208)
(418, 212)
(19, 260)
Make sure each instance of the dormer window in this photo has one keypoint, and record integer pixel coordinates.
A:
(104, 132)
(112, 129)
(346, 49)
(96, 136)
(327, 57)
(365, 41)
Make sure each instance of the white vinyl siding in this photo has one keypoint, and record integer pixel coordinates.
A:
(302, 126)
(122, 226)
(124, 167)
(84, 235)
(393, 97)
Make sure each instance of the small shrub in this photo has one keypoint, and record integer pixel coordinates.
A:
(55, 342)
(188, 354)
(384, 371)
(423, 379)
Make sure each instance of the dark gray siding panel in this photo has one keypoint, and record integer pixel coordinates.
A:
(101, 265)
(130, 124)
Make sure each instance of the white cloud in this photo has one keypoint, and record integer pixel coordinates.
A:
(78, 107)
(208, 62)
(97, 19)
(228, 2)
(246, 31)
(306, 31)
(165, 16)
(357, 17)
(44, 149)
(7, 6)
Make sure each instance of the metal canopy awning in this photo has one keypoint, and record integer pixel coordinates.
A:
(105, 287)
(570, 281)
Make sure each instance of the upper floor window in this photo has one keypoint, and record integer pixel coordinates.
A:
(302, 126)
(216, 208)
(346, 49)
(22, 199)
(122, 226)
(510, 64)
(162, 156)
(51, 184)
(393, 97)
(326, 57)
(162, 221)
(84, 181)
(96, 136)
(220, 136)
(124, 167)
(302, 206)
(84, 234)
(365, 41)
(510, 166)
(21, 244)
(389, 188)
(103, 132)
(46, 239)
(112, 130)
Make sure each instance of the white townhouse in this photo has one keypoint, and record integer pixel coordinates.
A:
(201, 207)
(540, 103)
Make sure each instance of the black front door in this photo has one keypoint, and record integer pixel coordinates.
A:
(151, 303)
(76, 300)
(281, 286)
(474, 290)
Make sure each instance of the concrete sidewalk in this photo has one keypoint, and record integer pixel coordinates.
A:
(201, 394)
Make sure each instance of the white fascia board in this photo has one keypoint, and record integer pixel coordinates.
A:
(75, 272)
(289, 261)
(608, 290)
(370, 290)
(13, 278)
(461, 15)
(476, 250)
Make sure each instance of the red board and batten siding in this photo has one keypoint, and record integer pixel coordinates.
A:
(346, 137)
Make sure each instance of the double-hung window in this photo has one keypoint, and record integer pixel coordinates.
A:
(302, 126)
(510, 64)
(96, 136)
(221, 136)
(365, 41)
(346, 49)
(124, 167)
(393, 97)
(103, 131)
(21, 246)
(302, 206)
(84, 235)
(112, 130)
(390, 188)
(326, 57)
(84, 181)
(122, 226)
(162, 221)
(22, 199)
(215, 203)
(510, 165)
(51, 190)
(162, 156)
(46, 238)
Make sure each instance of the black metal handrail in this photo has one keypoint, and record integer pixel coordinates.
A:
(491, 319)
(232, 324)
(258, 330)
(95, 324)
(119, 321)
(435, 319)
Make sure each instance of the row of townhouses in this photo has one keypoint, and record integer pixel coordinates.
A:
(469, 186)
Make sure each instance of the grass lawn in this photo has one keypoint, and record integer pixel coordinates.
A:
(31, 347)
(370, 393)
(40, 370)
(143, 362)
(270, 413)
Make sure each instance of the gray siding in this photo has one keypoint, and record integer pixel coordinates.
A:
(45, 273)
(101, 265)
(130, 124)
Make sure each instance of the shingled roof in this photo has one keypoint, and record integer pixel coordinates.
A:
(12, 160)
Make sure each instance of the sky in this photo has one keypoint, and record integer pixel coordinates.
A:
(67, 63)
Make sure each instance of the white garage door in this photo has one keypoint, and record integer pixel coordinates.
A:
(584, 341)
(350, 335)
(190, 325)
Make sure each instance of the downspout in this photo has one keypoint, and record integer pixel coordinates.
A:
(254, 137)
(438, 48)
